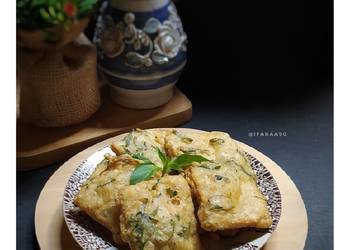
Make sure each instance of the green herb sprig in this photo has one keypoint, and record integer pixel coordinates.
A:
(42, 14)
(147, 169)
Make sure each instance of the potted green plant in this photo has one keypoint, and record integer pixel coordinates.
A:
(51, 23)
(56, 63)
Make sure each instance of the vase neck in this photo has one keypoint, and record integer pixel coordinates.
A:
(138, 5)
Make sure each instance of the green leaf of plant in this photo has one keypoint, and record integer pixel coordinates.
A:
(60, 17)
(84, 9)
(87, 3)
(58, 5)
(184, 160)
(44, 14)
(86, 6)
(52, 11)
(51, 2)
(37, 2)
(143, 172)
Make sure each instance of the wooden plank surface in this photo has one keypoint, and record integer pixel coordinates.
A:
(52, 232)
(37, 147)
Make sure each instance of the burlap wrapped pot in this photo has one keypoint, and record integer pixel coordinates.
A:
(58, 87)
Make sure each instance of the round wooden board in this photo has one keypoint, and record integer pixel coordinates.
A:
(52, 232)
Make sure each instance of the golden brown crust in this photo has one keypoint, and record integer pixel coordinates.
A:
(159, 214)
(99, 195)
(117, 149)
(223, 191)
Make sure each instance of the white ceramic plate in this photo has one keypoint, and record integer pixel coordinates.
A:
(90, 235)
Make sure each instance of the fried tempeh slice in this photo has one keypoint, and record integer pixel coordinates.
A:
(177, 143)
(99, 195)
(159, 214)
(141, 143)
(226, 200)
(225, 189)
(212, 145)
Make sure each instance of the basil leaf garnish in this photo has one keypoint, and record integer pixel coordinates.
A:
(184, 160)
(162, 157)
(142, 172)
(147, 169)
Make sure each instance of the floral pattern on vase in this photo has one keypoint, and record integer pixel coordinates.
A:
(166, 45)
(141, 52)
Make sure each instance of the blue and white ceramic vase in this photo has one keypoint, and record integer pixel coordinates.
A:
(142, 50)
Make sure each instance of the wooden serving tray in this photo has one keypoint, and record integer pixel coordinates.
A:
(37, 147)
(52, 232)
